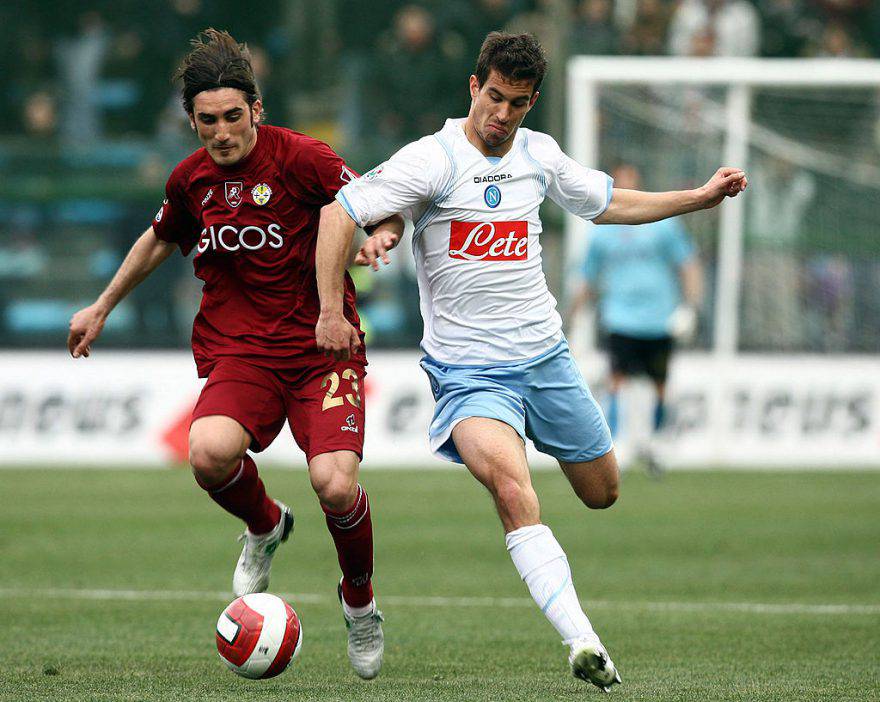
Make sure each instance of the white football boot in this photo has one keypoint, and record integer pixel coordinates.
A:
(590, 661)
(366, 642)
(252, 571)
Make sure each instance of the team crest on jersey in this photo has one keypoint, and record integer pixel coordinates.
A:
(261, 193)
(492, 196)
(233, 192)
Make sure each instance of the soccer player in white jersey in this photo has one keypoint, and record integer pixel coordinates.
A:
(497, 360)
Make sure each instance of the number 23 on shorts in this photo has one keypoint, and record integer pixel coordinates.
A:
(331, 382)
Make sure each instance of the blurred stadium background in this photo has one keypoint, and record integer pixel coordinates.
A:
(784, 370)
(743, 585)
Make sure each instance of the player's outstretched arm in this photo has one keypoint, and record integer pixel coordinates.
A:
(334, 335)
(637, 207)
(142, 259)
(383, 237)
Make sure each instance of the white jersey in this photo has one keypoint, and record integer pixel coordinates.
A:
(484, 298)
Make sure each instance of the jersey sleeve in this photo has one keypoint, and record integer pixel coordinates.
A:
(580, 190)
(409, 178)
(315, 172)
(174, 222)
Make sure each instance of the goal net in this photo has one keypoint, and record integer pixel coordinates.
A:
(794, 266)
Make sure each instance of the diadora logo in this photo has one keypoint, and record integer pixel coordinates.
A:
(233, 192)
(489, 241)
(492, 196)
(350, 422)
(494, 178)
(207, 196)
(229, 238)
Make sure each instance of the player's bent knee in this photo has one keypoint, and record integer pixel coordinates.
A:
(338, 493)
(601, 499)
(336, 488)
(211, 465)
(513, 497)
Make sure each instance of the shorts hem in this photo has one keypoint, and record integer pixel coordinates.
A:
(255, 446)
(584, 457)
(333, 449)
(437, 443)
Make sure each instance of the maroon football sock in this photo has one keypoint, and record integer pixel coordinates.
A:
(352, 532)
(244, 495)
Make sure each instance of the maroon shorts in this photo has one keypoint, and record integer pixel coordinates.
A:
(324, 404)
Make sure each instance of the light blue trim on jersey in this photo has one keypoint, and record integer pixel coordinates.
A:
(544, 399)
(341, 199)
(539, 171)
(494, 160)
(434, 208)
(610, 195)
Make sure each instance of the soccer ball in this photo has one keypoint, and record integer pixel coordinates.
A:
(258, 635)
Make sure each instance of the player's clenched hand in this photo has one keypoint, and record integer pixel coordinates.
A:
(85, 326)
(335, 336)
(727, 182)
(376, 247)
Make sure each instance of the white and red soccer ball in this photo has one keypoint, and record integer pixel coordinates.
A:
(258, 635)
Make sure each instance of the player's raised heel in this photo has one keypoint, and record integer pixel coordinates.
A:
(255, 562)
(590, 662)
(366, 641)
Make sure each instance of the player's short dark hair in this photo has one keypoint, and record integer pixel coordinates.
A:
(216, 60)
(515, 56)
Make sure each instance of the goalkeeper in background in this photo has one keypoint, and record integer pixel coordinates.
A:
(648, 283)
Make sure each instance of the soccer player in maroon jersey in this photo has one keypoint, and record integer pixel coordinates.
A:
(249, 203)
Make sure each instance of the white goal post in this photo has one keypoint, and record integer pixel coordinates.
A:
(740, 77)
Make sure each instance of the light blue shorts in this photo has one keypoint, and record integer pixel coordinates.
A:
(543, 398)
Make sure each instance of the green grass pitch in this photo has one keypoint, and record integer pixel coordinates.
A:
(704, 586)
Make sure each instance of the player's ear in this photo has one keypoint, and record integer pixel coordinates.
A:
(534, 99)
(192, 121)
(256, 112)
(475, 87)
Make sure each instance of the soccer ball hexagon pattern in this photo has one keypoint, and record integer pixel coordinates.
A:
(258, 635)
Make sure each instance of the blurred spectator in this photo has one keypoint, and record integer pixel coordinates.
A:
(778, 207)
(474, 19)
(593, 31)
(412, 91)
(829, 298)
(734, 26)
(541, 22)
(836, 41)
(80, 60)
(40, 116)
(647, 34)
(787, 26)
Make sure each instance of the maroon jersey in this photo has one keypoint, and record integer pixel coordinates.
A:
(254, 227)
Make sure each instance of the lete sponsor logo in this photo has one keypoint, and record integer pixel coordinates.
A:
(489, 241)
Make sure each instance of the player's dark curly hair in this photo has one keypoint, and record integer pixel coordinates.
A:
(216, 61)
(515, 56)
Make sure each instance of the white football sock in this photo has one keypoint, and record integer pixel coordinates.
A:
(359, 611)
(542, 565)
